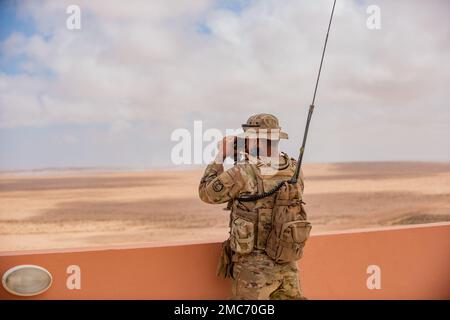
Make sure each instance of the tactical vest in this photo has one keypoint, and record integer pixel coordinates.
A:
(275, 224)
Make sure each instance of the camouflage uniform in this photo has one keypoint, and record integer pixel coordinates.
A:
(255, 275)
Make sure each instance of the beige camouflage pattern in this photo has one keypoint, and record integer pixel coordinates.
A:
(242, 235)
(255, 275)
(219, 186)
(263, 125)
(258, 277)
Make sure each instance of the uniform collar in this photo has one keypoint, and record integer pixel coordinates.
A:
(268, 162)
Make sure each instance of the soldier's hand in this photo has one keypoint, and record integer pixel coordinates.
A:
(225, 148)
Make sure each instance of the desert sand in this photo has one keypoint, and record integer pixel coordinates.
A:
(67, 209)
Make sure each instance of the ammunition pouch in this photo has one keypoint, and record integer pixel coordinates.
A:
(242, 234)
(287, 240)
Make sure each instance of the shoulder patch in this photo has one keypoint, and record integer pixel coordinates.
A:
(217, 185)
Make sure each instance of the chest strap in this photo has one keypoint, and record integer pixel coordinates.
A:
(246, 215)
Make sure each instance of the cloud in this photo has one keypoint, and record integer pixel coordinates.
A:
(150, 62)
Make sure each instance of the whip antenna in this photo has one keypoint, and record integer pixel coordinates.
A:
(311, 107)
(305, 135)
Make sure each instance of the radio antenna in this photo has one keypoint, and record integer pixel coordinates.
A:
(294, 178)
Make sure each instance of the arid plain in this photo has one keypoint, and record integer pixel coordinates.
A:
(66, 209)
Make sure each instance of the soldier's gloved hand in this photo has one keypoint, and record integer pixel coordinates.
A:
(225, 149)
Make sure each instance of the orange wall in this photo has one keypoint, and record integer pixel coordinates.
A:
(414, 264)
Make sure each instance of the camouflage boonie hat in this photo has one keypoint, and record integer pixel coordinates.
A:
(264, 126)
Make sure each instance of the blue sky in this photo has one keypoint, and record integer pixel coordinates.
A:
(111, 94)
(10, 22)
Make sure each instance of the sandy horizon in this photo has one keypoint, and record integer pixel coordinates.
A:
(65, 209)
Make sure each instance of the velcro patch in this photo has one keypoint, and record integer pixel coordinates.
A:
(217, 185)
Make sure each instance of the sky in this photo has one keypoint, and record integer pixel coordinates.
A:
(111, 93)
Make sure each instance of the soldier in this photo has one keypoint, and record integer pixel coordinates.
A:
(266, 235)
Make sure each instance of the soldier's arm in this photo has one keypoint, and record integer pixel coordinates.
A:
(217, 186)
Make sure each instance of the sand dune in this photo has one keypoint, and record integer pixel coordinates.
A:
(77, 209)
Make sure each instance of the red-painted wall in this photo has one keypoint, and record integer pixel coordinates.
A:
(414, 263)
